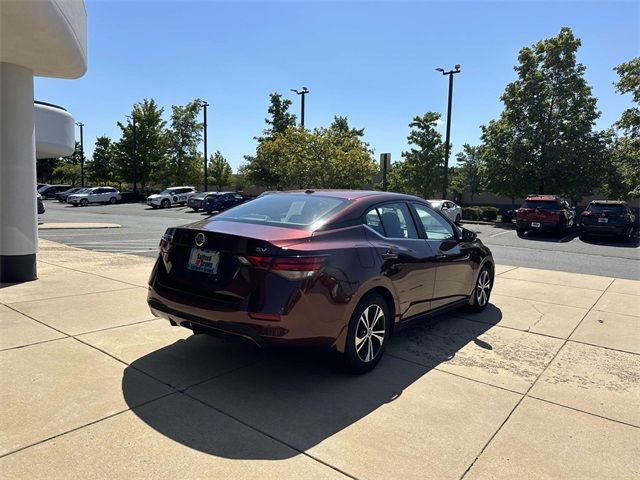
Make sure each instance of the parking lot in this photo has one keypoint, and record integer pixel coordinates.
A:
(142, 227)
(542, 384)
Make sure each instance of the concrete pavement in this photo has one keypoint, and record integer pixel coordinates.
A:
(545, 383)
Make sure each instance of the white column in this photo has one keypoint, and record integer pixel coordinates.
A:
(18, 207)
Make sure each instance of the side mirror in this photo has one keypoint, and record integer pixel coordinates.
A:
(468, 235)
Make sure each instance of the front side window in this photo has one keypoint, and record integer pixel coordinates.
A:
(435, 227)
(391, 220)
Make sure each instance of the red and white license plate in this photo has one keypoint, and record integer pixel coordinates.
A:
(204, 260)
(603, 220)
(535, 224)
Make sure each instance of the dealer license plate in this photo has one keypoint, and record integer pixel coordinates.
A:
(603, 220)
(535, 224)
(204, 260)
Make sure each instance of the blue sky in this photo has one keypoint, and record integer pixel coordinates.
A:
(370, 61)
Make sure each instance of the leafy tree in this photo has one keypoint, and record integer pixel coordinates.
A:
(219, 170)
(151, 145)
(280, 119)
(185, 133)
(340, 127)
(101, 169)
(45, 168)
(624, 179)
(544, 140)
(420, 171)
(469, 176)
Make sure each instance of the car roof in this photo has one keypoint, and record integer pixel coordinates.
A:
(350, 194)
(545, 198)
(182, 186)
(607, 202)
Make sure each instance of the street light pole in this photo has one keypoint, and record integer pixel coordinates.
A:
(302, 93)
(134, 167)
(205, 105)
(81, 125)
(445, 180)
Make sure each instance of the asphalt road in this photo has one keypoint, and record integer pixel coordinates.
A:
(143, 226)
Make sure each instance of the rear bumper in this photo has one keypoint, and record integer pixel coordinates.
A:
(606, 229)
(544, 226)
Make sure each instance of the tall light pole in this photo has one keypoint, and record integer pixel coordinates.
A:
(81, 125)
(445, 179)
(134, 163)
(204, 106)
(302, 93)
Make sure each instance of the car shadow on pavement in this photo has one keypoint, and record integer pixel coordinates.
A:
(608, 241)
(298, 398)
(551, 237)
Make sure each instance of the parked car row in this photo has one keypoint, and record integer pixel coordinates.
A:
(551, 213)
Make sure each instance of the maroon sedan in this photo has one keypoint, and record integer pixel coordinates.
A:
(335, 269)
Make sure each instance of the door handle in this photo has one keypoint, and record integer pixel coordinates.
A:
(389, 255)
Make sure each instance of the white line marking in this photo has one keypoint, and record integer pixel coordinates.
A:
(501, 233)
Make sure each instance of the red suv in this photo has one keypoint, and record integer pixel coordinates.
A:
(544, 212)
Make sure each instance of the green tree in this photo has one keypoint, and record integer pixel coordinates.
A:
(101, 169)
(624, 178)
(280, 118)
(151, 146)
(469, 176)
(544, 140)
(420, 171)
(185, 133)
(219, 170)
(45, 168)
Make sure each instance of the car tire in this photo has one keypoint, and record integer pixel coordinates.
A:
(113, 200)
(74, 204)
(84, 202)
(482, 290)
(364, 347)
(520, 232)
(165, 203)
(195, 209)
(626, 237)
(458, 219)
(209, 212)
(582, 236)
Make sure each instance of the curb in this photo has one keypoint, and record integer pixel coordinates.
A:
(76, 226)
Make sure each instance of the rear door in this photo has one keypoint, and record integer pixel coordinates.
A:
(407, 259)
(96, 195)
(454, 273)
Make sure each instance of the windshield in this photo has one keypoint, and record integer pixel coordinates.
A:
(297, 211)
(545, 204)
(600, 208)
(166, 192)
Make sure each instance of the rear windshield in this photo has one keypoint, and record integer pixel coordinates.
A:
(545, 204)
(291, 211)
(599, 208)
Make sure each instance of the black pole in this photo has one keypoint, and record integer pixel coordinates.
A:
(445, 177)
(205, 105)
(302, 93)
(134, 166)
(81, 125)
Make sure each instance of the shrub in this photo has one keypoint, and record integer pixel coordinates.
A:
(480, 213)
(490, 213)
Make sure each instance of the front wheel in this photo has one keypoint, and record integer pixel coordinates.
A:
(84, 202)
(367, 335)
(113, 200)
(165, 203)
(482, 290)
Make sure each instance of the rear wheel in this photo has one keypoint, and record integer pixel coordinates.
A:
(209, 212)
(195, 209)
(113, 200)
(165, 203)
(482, 291)
(368, 333)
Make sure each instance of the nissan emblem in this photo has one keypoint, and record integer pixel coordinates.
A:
(200, 239)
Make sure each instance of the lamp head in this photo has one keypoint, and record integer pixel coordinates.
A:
(441, 70)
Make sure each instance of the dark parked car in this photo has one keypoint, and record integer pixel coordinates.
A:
(334, 269)
(218, 202)
(41, 208)
(544, 213)
(195, 201)
(62, 196)
(607, 217)
(49, 191)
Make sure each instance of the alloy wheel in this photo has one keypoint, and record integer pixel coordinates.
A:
(483, 288)
(370, 333)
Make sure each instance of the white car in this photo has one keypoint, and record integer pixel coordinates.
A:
(95, 195)
(171, 196)
(448, 208)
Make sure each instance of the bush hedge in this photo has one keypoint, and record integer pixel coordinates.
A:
(480, 213)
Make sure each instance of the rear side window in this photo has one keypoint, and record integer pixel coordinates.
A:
(542, 204)
(291, 211)
(391, 220)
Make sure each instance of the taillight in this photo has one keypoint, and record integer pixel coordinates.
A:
(587, 213)
(165, 241)
(293, 268)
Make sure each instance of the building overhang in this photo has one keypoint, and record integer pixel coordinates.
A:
(47, 36)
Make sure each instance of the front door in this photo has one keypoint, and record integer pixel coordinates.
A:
(454, 274)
